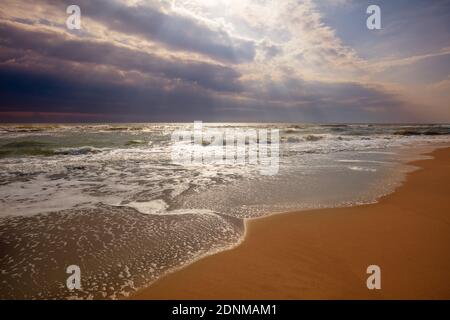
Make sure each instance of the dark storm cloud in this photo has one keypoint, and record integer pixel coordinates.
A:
(28, 91)
(48, 73)
(210, 76)
(293, 90)
(173, 30)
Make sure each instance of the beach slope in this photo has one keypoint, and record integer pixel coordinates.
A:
(324, 254)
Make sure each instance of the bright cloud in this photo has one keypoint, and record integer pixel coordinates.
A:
(200, 59)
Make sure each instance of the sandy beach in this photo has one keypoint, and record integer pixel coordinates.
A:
(324, 254)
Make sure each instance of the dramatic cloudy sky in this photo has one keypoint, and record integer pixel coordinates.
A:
(225, 60)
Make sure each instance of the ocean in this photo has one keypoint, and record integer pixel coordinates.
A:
(110, 199)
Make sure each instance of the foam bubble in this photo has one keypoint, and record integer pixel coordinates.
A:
(356, 168)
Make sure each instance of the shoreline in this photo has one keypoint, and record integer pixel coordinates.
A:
(324, 253)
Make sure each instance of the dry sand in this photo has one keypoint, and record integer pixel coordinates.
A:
(324, 254)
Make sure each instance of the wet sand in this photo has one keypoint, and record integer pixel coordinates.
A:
(324, 254)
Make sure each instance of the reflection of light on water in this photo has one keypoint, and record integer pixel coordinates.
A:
(122, 172)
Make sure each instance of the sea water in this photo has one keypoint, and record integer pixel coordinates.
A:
(109, 199)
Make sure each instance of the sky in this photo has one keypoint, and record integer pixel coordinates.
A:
(225, 60)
